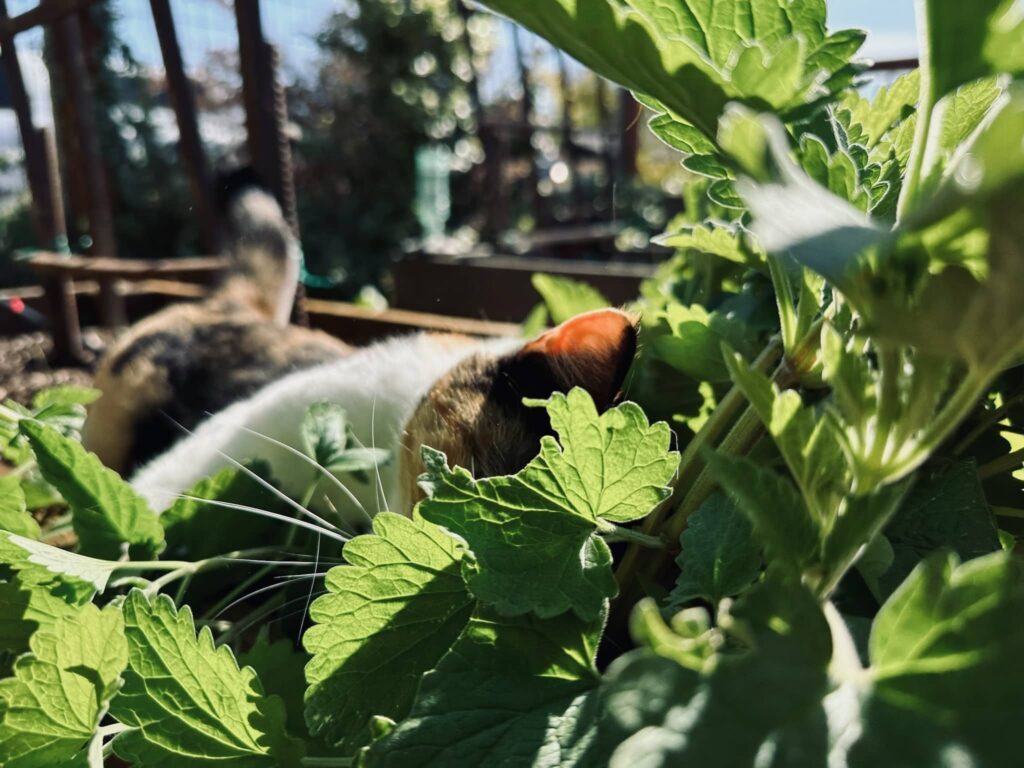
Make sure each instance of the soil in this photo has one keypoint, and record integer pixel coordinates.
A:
(25, 368)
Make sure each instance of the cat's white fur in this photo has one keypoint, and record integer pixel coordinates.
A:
(379, 387)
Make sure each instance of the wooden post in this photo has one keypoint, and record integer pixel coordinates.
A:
(570, 152)
(257, 91)
(75, 79)
(47, 204)
(266, 120)
(190, 144)
(526, 116)
(61, 306)
(630, 113)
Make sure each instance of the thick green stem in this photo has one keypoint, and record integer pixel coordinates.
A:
(1011, 462)
(925, 115)
(691, 463)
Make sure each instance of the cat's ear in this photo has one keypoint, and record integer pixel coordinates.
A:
(593, 351)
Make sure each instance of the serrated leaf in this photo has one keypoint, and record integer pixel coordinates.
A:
(532, 534)
(780, 518)
(14, 516)
(107, 511)
(719, 557)
(186, 700)
(722, 240)
(565, 298)
(694, 342)
(40, 563)
(399, 605)
(945, 510)
(51, 707)
(280, 666)
(510, 691)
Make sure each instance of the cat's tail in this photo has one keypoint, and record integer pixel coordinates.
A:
(264, 252)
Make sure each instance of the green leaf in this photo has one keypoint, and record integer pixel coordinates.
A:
(187, 701)
(969, 41)
(719, 556)
(41, 563)
(961, 114)
(511, 691)
(24, 609)
(722, 240)
(780, 518)
(324, 434)
(107, 511)
(745, 709)
(945, 510)
(809, 442)
(565, 298)
(945, 677)
(14, 516)
(65, 395)
(532, 534)
(893, 105)
(195, 530)
(281, 669)
(59, 693)
(694, 342)
(399, 605)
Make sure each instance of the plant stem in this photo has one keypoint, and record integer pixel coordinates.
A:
(925, 115)
(990, 420)
(619, 533)
(691, 463)
(1008, 463)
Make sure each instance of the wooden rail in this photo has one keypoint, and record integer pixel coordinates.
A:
(193, 269)
(356, 325)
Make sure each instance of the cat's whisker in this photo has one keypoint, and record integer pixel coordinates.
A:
(301, 576)
(334, 510)
(313, 463)
(263, 483)
(264, 513)
(382, 500)
(249, 596)
(309, 597)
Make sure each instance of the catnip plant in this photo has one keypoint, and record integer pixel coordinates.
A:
(795, 543)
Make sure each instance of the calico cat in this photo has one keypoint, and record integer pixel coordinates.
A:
(461, 396)
(190, 360)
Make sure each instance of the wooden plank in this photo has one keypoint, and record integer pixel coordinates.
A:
(499, 287)
(359, 325)
(47, 12)
(190, 144)
(201, 268)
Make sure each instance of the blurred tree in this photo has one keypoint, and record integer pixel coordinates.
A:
(394, 76)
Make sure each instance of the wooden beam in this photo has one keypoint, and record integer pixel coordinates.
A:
(196, 268)
(75, 79)
(190, 144)
(46, 13)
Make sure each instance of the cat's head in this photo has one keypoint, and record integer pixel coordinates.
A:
(475, 412)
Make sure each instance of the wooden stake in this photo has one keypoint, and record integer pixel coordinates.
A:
(190, 144)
